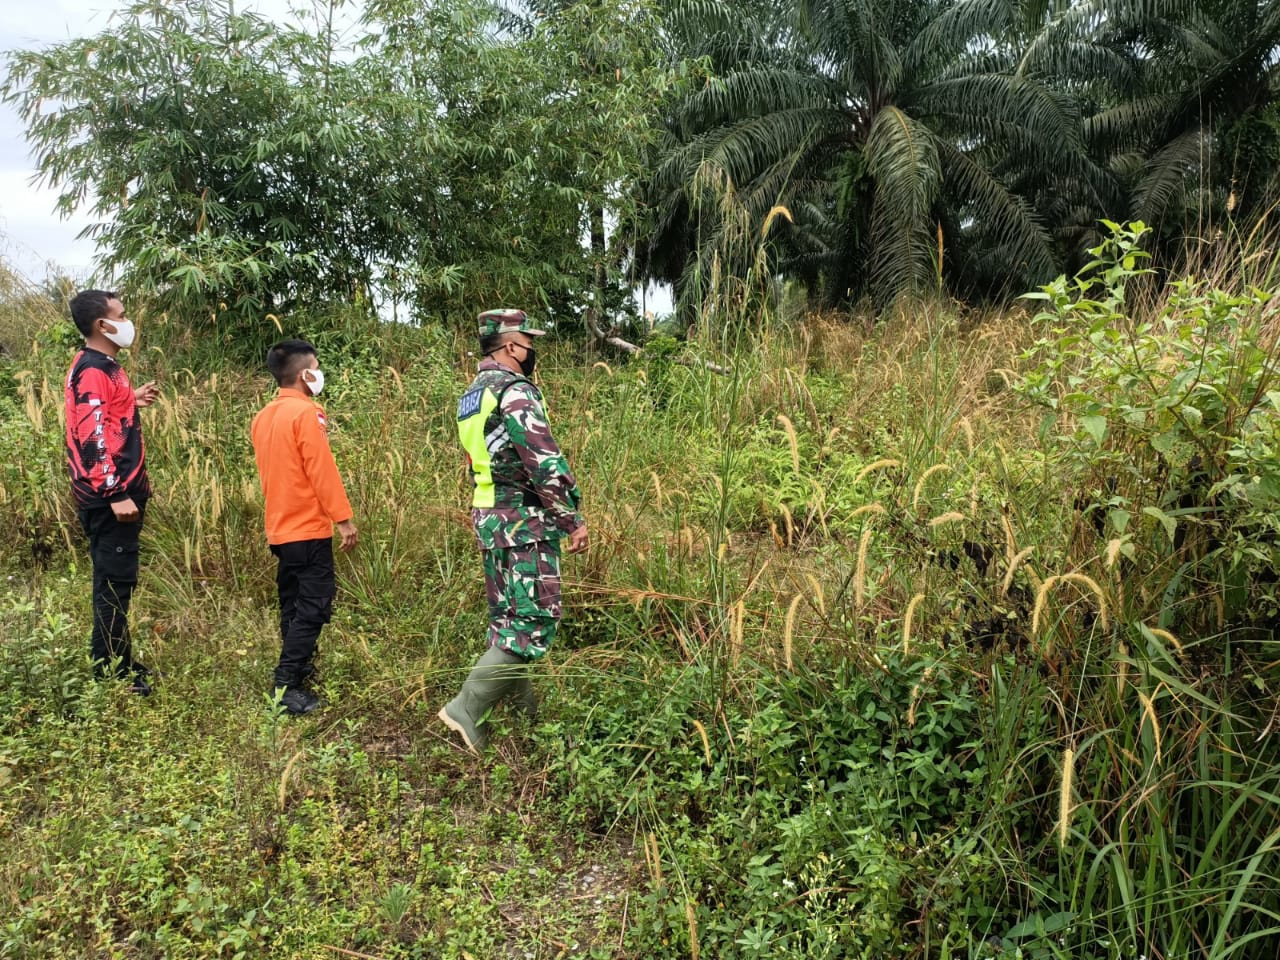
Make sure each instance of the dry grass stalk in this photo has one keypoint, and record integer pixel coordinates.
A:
(1079, 579)
(907, 621)
(790, 429)
(691, 911)
(395, 376)
(817, 592)
(788, 630)
(942, 519)
(1042, 596)
(967, 429)
(1113, 552)
(820, 505)
(31, 404)
(215, 497)
(706, 744)
(1064, 794)
(282, 792)
(1149, 708)
(657, 487)
(860, 575)
(1122, 668)
(1168, 638)
(601, 365)
(1090, 584)
(777, 210)
(936, 468)
(1010, 541)
(867, 508)
(736, 618)
(786, 516)
(872, 467)
(652, 860)
(1014, 561)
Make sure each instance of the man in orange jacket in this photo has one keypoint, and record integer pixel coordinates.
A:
(304, 500)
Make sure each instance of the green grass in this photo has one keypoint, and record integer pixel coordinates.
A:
(684, 785)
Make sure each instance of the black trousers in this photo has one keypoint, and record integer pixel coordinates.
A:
(113, 549)
(306, 585)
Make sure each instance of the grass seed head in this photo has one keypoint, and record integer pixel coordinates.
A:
(1064, 793)
(915, 495)
(907, 621)
(788, 630)
(1014, 562)
(871, 468)
(790, 429)
(860, 575)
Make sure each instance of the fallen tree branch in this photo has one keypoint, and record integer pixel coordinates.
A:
(613, 340)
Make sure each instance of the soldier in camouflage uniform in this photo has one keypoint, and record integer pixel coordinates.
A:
(525, 500)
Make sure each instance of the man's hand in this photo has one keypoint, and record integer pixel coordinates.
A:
(577, 540)
(349, 536)
(147, 394)
(126, 511)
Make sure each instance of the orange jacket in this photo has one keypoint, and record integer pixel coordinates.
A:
(300, 481)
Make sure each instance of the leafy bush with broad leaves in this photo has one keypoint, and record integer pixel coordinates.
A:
(1171, 426)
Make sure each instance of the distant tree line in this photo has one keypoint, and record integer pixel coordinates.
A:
(457, 153)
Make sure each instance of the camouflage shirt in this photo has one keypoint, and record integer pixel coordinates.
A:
(524, 490)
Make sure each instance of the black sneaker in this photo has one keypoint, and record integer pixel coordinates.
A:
(299, 700)
(139, 685)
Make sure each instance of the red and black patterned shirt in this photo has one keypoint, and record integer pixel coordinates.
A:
(104, 437)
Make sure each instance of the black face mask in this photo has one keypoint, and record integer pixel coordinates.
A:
(530, 359)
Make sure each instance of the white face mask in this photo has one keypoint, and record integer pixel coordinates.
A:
(314, 379)
(125, 332)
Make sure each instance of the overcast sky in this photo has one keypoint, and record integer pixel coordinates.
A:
(32, 235)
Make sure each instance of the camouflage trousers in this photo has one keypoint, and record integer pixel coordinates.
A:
(522, 584)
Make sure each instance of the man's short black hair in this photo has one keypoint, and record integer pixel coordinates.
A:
(287, 358)
(494, 340)
(88, 306)
(490, 343)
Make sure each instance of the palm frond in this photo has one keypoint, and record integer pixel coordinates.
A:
(1001, 213)
(1168, 172)
(902, 158)
(987, 103)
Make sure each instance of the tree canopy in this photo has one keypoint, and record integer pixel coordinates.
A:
(553, 154)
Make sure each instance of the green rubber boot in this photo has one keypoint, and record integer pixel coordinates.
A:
(489, 681)
(522, 696)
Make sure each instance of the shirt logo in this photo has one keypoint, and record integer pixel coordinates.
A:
(469, 405)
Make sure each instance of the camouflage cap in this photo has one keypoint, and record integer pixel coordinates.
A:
(506, 321)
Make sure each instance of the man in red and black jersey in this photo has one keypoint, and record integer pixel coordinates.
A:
(108, 474)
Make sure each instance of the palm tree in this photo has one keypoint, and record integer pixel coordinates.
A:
(895, 132)
(1186, 119)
